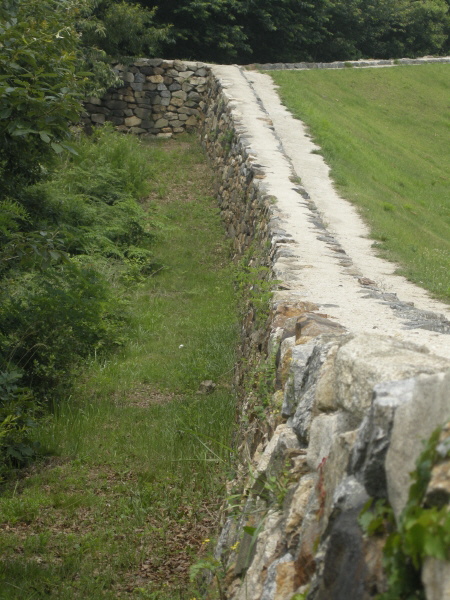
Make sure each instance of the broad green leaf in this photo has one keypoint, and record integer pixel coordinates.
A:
(56, 147)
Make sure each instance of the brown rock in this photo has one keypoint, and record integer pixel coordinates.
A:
(155, 78)
(313, 324)
(285, 581)
(132, 121)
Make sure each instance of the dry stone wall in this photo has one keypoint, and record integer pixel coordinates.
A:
(158, 98)
(345, 422)
(340, 64)
(327, 419)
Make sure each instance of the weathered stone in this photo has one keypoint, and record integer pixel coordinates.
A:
(98, 118)
(436, 579)
(155, 79)
(367, 462)
(116, 104)
(128, 77)
(298, 503)
(300, 356)
(280, 582)
(311, 325)
(142, 113)
(438, 490)
(93, 100)
(137, 130)
(414, 422)
(179, 66)
(132, 121)
(306, 389)
(265, 550)
(324, 430)
(334, 470)
(344, 572)
(179, 94)
(272, 459)
(191, 121)
(369, 359)
(176, 101)
(326, 385)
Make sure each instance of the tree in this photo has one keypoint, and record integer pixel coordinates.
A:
(284, 30)
(121, 29)
(384, 28)
(40, 87)
(203, 30)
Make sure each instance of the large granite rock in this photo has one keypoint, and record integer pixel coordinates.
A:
(414, 422)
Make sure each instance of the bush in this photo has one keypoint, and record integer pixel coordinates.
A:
(17, 418)
(70, 248)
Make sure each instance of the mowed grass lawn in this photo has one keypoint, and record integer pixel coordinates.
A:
(385, 134)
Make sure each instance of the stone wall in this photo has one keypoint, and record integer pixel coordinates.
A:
(346, 416)
(344, 423)
(340, 64)
(158, 98)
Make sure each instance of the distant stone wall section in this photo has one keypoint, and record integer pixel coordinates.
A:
(158, 98)
(340, 64)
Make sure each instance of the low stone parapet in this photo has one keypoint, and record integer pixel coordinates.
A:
(158, 98)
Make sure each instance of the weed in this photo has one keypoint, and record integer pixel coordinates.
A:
(422, 531)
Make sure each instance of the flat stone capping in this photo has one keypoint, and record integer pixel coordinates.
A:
(341, 64)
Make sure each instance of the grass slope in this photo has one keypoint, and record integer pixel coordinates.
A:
(125, 503)
(385, 134)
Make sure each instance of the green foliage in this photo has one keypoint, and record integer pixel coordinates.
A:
(422, 531)
(69, 249)
(203, 29)
(298, 30)
(384, 28)
(18, 410)
(49, 320)
(284, 30)
(40, 87)
(122, 29)
(255, 286)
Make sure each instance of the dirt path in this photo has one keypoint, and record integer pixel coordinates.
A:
(328, 258)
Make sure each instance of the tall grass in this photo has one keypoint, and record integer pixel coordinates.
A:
(385, 132)
(138, 458)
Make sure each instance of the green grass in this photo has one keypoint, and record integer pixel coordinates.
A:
(385, 135)
(137, 459)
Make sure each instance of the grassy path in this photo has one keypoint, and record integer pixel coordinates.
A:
(385, 135)
(137, 457)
